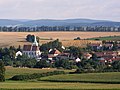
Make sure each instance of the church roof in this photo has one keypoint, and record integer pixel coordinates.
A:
(30, 48)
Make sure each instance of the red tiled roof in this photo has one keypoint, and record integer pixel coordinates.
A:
(95, 44)
(99, 54)
(118, 45)
(55, 52)
(50, 56)
(108, 45)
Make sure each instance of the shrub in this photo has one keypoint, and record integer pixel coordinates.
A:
(35, 75)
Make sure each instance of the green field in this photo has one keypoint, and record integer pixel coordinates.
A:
(111, 38)
(43, 85)
(113, 77)
(10, 71)
(54, 85)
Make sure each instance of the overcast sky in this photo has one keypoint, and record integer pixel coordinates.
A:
(60, 9)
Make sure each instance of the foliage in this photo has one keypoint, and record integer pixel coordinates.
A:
(75, 51)
(51, 45)
(24, 61)
(62, 63)
(78, 38)
(30, 38)
(2, 71)
(36, 75)
(42, 64)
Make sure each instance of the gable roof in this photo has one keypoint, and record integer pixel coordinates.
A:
(27, 47)
(30, 48)
(95, 44)
(55, 51)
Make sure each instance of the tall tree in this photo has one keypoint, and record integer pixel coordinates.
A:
(2, 71)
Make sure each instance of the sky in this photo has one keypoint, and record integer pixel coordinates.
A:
(60, 9)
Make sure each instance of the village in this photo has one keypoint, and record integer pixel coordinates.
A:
(106, 53)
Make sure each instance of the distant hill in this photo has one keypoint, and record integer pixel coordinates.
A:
(51, 22)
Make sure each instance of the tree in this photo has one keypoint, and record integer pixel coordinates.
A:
(63, 63)
(51, 45)
(2, 71)
(30, 38)
(75, 51)
(78, 38)
(42, 64)
(116, 65)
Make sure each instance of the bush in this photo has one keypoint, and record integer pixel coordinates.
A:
(35, 75)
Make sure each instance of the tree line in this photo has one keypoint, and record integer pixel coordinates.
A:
(60, 28)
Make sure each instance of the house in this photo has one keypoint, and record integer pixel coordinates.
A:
(32, 51)
(18, 53)
(118, 46)
(108, 46)
(77, 60)
(87, 55)
(64, 56)
(96, 46)
(53, 53)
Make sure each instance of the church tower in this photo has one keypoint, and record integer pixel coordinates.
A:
(35, 43)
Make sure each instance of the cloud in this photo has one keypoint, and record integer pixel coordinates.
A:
(60, 9)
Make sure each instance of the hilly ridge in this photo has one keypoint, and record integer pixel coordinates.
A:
(51, 22)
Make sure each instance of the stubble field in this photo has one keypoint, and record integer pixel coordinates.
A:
(18, 38)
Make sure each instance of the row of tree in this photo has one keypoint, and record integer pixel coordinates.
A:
(59, 28)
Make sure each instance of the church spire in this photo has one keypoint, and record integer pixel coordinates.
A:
(35, 43)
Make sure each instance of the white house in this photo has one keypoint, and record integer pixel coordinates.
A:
(32, 51)
(18, 53)
(77, 60)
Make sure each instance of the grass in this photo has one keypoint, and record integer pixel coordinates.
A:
(46, 85)
(54, 85)
(113, 77)
(111, 38)
(10, 71)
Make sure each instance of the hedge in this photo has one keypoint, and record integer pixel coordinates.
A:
(35, 75)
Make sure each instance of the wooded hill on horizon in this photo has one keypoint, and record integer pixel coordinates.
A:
(52, 22)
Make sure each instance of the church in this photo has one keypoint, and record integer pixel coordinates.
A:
(32, 51)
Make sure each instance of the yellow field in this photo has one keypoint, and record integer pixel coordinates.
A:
(18, 38)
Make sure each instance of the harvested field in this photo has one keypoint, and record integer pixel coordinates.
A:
(18, 38)
(78, 43)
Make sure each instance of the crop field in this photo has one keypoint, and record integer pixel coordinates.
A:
(18, 38)
(113, 77)
(109, 38)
